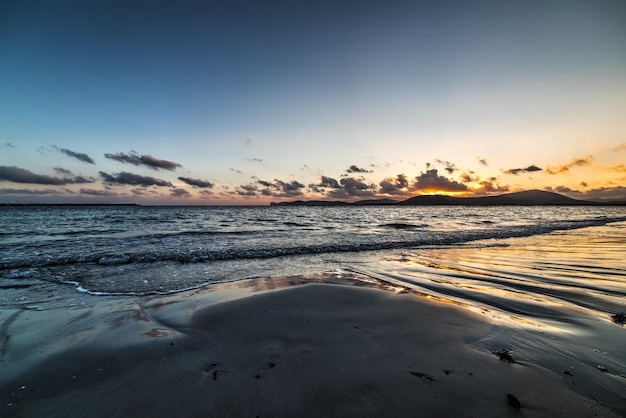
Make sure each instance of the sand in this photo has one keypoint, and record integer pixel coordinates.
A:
(310, 350)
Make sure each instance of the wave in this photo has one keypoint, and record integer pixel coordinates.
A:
(358, 244)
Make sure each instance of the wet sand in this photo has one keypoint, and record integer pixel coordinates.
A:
(280, 350)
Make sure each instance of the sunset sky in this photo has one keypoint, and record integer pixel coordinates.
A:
(236, 102)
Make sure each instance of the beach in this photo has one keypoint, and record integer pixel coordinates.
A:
(520, 324)
(284, 349)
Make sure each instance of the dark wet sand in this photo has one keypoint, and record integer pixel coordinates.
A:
(314, 350)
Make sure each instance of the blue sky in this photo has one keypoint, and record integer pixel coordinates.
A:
(269, 100)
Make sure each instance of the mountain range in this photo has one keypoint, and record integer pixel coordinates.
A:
(525, 198)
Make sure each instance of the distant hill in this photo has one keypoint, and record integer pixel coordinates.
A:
(525, 198)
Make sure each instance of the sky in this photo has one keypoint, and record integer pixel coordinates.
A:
(247, 103)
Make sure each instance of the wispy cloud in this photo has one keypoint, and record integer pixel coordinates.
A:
(449, 166)
(145, 160)
(133, 179)
(62, 170)
(196, 182)
(96, 192)
(78, 155)
(517, 171)
(482, 160)
(20, 175)
(564, 168)
(620, 147)
(355, 169)
(29, 192)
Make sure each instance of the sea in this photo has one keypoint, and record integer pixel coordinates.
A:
(510, 259)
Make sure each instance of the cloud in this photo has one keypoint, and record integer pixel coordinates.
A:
(180, 193)
(395, 185)
(28, 192)
(255, 160)
(133, 179)
(515, 171)
(467, 177)
(94, 192)
(236, 171)
(78, 155)
(9, 144)
(324, 183)
(353, 187)
(354, 169)
(279, 188)
(247, 190)
(482, 160)
(606, 193)
(247, 141)
(490, 186)
(197, 182)
(431, 181)
(145, 160)
(61, 170)
(564, 168)
(450, 167)
(20, 175)
(620, 168)
(620, 147)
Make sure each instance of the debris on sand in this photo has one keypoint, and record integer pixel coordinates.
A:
(513, 401)
(602, 368)
(423, 376)
(619, 318)
(505, 354)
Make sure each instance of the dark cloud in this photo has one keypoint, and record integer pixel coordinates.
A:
(395, 186)
(449, 167)
(95, 192)
(325, 182)
(255, 160)
(467, 177)
(247, 190)
(561, 189)
(20, 175)
(432, 181)
(606, 193)
(145, 160)
(205, 193)
(279, 188)
(180, 193)
(353, 187)
(61, 170)
(28, 192)
(564, 168)
(490, 186)
(78, 155)
(236, 171)
(133, 179)
(355, 169)
(197, 182)
(482, 160)
(516, 171)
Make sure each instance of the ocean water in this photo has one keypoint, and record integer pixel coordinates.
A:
(517, 260)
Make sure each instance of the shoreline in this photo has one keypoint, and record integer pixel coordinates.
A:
(278, 347)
